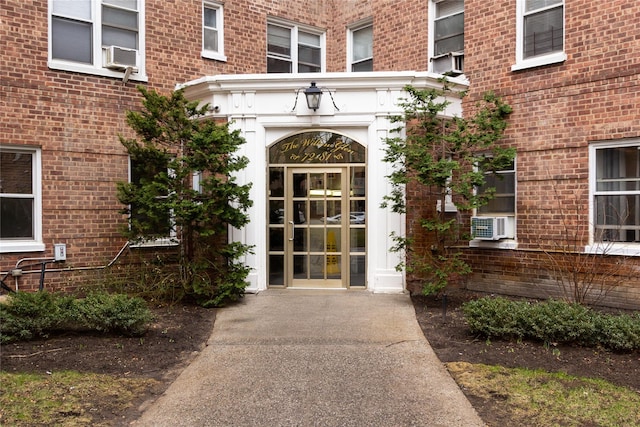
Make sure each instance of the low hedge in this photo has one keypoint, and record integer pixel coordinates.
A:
(552, 322)
(28, 315)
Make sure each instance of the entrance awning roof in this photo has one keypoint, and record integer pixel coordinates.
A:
(363, 92)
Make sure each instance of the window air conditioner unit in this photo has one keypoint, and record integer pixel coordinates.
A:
(489, 227)
(120, 58)
(449, 63)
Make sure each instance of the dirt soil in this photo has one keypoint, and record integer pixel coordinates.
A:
(447, 332)
(179, 332)
(175, 337)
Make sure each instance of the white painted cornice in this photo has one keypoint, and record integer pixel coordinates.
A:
(270, 94)
(333, 81)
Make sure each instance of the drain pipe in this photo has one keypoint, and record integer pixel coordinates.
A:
(18, 272)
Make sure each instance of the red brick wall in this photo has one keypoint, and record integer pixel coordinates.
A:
(558, 110)
(530, 273)
(344, 13)
(76, 118)
(400, 35)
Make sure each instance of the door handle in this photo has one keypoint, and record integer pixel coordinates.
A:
(293, 230)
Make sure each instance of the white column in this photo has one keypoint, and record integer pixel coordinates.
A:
(383, 276)
(244, 119)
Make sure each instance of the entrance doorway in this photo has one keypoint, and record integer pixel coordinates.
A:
(317, 214)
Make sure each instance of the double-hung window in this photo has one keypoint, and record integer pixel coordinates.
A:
(212, 31)
(361, 47)
(503, 181)
(20, 199)
(615, 188)
(150, 216)
(540, 33)
(447, 35)
(494, 224)
(104, 37)
(293, 49)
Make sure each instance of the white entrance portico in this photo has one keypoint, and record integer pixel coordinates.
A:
(325, 228)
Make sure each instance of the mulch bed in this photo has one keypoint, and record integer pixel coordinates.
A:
(180, 331)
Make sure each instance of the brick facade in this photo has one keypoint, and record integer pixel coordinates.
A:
(76, 118)
(559, 109)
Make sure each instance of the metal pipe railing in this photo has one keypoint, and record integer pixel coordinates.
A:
(16, 272)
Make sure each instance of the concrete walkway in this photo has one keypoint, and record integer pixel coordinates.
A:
(314, 358)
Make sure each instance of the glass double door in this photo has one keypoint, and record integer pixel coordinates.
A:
(319, 225)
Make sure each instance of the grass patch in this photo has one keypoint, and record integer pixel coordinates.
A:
(536, 398)
(66, 398)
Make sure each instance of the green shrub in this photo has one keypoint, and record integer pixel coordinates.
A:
(32, 315)
(495, 317)
(621, 333)
(558, 322)
(552, 322)
(115, 313)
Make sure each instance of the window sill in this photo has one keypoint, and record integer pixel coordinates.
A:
(97, 71)
(213, 55)
(495, 244)
(539, 61)
(610, 248)
(448, 206)
(155, 243)
(18, 246)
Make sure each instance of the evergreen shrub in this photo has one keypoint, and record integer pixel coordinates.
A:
(552, 321)
(26, 315)
(621, 333)
(116, 313)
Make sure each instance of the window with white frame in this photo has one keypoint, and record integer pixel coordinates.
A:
(615, 178)
(294, 49)
(447, 35)
(494, 223)
(152, 215)
(104, 37)
(504, 198)
(20, 199)
(540, 33)
(212, 31)
(361, 47)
